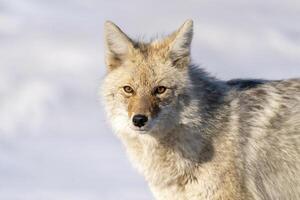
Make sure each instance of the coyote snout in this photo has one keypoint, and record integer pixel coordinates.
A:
(141, 110)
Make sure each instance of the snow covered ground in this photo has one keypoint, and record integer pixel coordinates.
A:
(55, 143)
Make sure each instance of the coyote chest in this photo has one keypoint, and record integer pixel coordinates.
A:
(176, 173)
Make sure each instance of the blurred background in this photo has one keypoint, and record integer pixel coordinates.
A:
(55, 143)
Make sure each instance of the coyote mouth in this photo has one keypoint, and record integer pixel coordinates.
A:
(141, 130)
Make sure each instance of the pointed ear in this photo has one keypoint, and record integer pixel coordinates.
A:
(117, 44)
(181, 44)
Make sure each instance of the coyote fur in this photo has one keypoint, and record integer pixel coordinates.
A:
(193, 136)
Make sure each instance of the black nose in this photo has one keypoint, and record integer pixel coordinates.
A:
(139, 120)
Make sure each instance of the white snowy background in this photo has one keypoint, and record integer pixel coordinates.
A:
(55, 143)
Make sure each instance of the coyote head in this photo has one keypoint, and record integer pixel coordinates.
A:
(146, 82)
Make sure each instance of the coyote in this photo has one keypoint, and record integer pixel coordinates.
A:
(193, 136)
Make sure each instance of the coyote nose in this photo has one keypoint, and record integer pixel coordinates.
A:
(139, 120)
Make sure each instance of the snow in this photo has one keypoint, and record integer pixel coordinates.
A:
(55, 142)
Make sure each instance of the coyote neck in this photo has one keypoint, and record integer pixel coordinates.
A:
(184, 149)
(171, 156)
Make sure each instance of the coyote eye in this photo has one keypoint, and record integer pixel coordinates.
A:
(128, 89)
(160, 90)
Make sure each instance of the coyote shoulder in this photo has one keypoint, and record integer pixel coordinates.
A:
(196, 137)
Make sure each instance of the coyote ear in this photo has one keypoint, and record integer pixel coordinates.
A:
(117, 45)
(181, 44)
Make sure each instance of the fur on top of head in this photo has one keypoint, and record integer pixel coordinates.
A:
(119, 46)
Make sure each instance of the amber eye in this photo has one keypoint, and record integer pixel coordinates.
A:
(160, 89)
(128, 89)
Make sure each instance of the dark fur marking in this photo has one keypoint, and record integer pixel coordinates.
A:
(244, 84)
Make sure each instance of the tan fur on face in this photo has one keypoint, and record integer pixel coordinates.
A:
(144, 105)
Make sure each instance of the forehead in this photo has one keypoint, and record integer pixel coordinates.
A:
(146, 72)
(148, 66)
